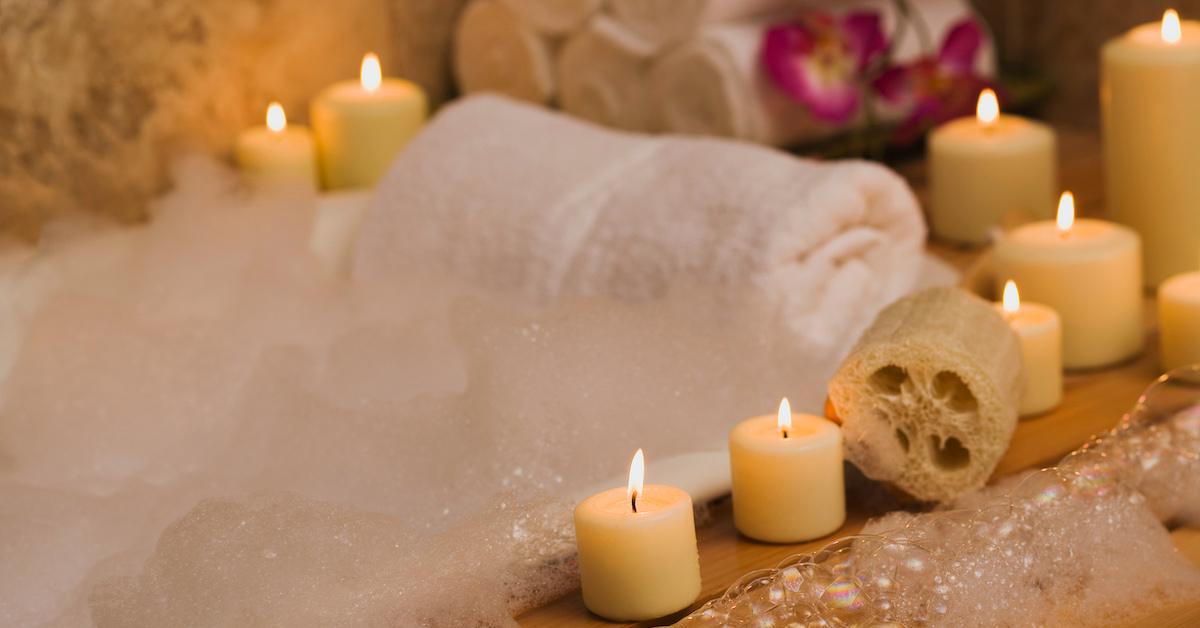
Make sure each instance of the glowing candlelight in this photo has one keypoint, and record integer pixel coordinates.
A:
(1171, 31)
(784, 422)
(276, 118)
(1012, 299)
(1066, 213)
(371, 74)
(637, 477)
(987, 110)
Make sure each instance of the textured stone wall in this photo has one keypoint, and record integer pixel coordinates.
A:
(95, 95)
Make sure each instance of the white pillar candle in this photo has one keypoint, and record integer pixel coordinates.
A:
(637, 550)
(787, 477)
(1179, 320)
(1089, 271)
(1040, 331)
(987, 171)
(361, 125)
(1150, 87)
(277, 152)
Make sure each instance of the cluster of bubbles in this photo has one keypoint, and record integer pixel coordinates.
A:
(1078, 543)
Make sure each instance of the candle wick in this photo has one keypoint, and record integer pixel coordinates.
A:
(785, 432)
(633, 501)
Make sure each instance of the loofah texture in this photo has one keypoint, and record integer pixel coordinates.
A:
(929, 395)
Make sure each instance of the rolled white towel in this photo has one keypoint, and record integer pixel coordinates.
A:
(603, 77)
(555, 17)
(496, 51)
(525, 200)
(715, 84)
(667, 22)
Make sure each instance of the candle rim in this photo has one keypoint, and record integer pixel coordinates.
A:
(598, 504)
(751, 433)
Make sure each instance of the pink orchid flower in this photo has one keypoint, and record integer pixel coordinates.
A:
(938, 88)
(819, 60)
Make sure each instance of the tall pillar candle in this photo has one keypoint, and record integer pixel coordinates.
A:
(361, 125)
(787, 477)
(278, 152)
(1179, 320)
(637, 549)
(1089, 271)
(989, 170)
(1150, 88)
(1039, 329)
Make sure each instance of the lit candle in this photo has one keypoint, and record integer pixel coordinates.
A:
(361, 125)
(1040, 331)
(637, 549)
(787, 477)
(1089, 271)
(1179, 320)
(277, 152)
(1150, 88)
(987, 171)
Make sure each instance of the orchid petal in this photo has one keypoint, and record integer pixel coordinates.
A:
(960, 47)
(863, 32)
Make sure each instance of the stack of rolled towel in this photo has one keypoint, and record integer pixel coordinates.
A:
(682, 66)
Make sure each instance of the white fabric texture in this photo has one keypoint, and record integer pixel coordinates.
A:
(516, 198)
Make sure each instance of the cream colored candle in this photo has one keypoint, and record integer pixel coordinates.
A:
(361, 125)
(987, 171)
(637, 550)
(1040, 331)
(1179, 320)
(277, 152)
(787, 477)
(1150, 88)
(1089, 271)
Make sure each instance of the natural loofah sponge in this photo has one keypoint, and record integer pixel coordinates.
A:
(928, 397)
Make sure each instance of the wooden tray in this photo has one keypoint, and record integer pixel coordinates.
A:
(1093, 403)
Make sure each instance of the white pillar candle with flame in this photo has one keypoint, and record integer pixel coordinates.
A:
(1149, 94)
(989, 171)
(787, 477)
(362, 125)
(1089, 271)
(277, 152)
(637, 549)
(1040, 330)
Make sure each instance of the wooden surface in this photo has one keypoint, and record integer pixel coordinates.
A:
(1093, 402)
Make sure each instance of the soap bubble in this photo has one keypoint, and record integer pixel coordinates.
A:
(1081, 543)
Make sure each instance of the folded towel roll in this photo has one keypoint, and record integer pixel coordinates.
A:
(555, 17)
(603, 77)
(715, 84)
(521, 199)
(667, 22)
(496, 51)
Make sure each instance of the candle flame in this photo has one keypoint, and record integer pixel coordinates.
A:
(276, 118)
(1171, 31)
(1066, 212)
(987, 110)
(1012, 299)
(785, 417)
(371, 73)
(637, 478)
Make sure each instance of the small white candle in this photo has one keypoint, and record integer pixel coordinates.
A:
(361, 125)
(637, 549)
(988, 170)
(1089, 271)
(277, 152)
(1149, 90)
(787, 477)
(1179, 320)
(1040, 331)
